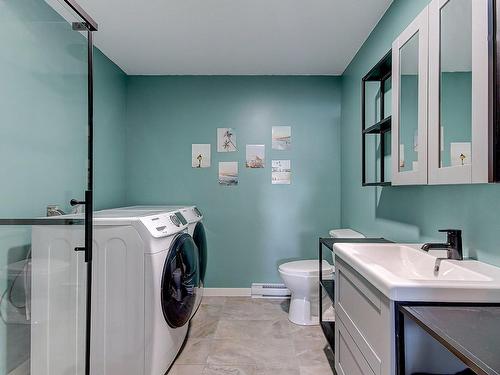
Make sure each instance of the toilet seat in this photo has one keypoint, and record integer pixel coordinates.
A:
(306, 268)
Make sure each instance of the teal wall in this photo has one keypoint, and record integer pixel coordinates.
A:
(110, 93)
(43, 101)
(43, 137)
(254, 226)
(408, 213)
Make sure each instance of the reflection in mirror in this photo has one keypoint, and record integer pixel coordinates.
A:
(408, 104)
(372, 103)
(456, 83)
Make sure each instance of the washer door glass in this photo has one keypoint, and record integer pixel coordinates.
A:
(180, 281)
(200, 240)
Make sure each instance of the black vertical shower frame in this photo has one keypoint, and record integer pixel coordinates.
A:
(495, 136)
(88, 25)
(89, 206)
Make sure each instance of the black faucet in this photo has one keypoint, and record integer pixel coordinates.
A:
(453, 245)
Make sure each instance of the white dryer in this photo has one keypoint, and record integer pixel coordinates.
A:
(196, 229)
(146, 274)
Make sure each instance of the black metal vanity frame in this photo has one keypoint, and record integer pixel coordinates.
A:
(328, 286)
(471, 359)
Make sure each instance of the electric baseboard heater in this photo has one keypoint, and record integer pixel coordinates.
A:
(267, 290)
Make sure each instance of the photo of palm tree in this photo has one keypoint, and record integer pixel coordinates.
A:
(226, 140)
(200, 155)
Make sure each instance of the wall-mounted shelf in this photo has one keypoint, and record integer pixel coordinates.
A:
(385, 183)
(380, 127)
(380, 73)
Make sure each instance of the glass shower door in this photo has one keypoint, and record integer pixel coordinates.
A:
(44, 162)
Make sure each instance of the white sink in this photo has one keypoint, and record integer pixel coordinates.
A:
(407, 273)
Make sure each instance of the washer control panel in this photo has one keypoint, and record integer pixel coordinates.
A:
(166, 224)
(175, 220)
(192, 214)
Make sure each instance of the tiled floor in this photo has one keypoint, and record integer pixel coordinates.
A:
(245, 336)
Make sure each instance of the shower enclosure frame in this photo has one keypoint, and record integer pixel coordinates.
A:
(88, 25)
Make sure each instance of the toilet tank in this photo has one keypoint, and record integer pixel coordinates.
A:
(343, 233)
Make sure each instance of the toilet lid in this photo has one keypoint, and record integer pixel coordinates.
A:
(306, 267)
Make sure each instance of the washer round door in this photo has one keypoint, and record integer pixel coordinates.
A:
(180, 281)
(200, 239)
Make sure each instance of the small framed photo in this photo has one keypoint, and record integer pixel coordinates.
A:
(282, 137)
(200, 155)
(281, 172)
(228, 173)
(226, 140)
(256, 155)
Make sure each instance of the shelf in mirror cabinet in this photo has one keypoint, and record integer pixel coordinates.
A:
(380, 127)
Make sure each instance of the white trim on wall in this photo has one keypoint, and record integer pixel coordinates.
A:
(227, 292)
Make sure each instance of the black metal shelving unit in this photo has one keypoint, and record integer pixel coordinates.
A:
(380, 73)
(328, 285)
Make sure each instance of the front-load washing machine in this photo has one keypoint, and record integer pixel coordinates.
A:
(146, 273)
(196, 229)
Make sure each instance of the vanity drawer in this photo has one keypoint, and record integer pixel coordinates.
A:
(365, 314)
(348, 358)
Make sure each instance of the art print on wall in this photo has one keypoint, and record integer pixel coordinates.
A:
(256, 155)
(228, 173)
(200, 155)
(281, 172)
(282, 137)
(226, 140)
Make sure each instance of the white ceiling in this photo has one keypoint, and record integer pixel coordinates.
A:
(229, 37)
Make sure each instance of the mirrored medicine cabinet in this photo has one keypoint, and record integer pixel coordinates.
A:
(442, 96)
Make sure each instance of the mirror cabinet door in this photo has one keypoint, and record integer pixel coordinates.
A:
(409, 86)
(458, 91)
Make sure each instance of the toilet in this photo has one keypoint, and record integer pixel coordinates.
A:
(301, 278)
